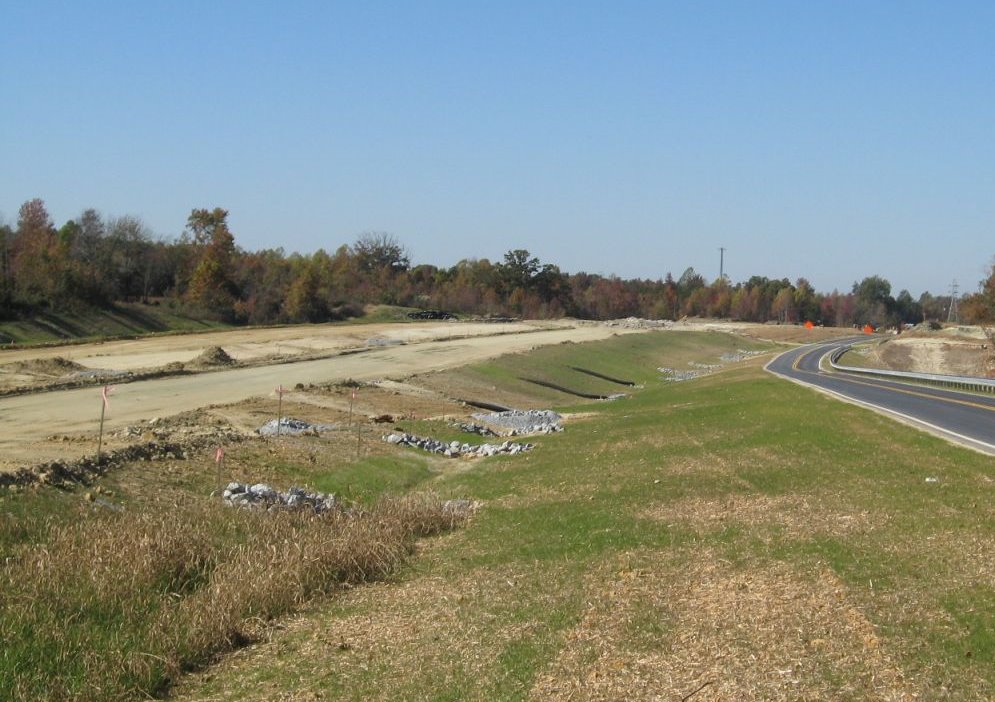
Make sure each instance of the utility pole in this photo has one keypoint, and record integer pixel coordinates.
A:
(722, 256)
(953, 315)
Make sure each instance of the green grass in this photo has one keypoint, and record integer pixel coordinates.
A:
(382, 314)
(369, 479)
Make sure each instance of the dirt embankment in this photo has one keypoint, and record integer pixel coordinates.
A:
(946, 355)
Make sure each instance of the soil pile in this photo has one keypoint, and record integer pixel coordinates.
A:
(54, 367)
(213, 357)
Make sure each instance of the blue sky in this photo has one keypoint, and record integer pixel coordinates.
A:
(830, 140)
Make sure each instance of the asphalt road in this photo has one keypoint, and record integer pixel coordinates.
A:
(964, 418)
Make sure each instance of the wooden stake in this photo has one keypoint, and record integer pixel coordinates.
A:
(104, 392)
(279, 407)
(100, 441)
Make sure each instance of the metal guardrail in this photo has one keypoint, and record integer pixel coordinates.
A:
(957, 382)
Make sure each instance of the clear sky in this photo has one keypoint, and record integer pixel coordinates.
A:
(825, 139)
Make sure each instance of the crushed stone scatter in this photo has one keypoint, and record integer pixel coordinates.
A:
(99, 374)
(292, 427)
(739, 355)
(674, 375)
(454, 449)
(522, 422)
(262, 496)
(383, 341)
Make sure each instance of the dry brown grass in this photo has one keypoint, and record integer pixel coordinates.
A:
(795, 516)
(121, 604)
(659, 627)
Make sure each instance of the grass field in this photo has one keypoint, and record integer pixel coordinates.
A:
(730, 537)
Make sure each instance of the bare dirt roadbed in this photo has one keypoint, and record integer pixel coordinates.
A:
(28, 422)
(253, 343)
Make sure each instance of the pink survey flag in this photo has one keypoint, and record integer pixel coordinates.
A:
(279, 390)
(354, 393)
(219, 455)
(104, 392)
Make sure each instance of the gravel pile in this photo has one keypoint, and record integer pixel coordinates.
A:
(705, 366)
(521, 422)
(469, 428)
(292, 427)
(262, 496)
(455, 449)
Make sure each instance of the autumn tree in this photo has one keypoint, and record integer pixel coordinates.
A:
(211, 287)
(39, 263)
(303, 302)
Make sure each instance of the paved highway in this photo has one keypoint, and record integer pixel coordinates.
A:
(964, 418)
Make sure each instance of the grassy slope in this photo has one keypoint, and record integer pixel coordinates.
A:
(736, 531)
(121, 321)
(133, 319)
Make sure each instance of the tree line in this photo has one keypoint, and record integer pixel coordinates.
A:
(96, 261)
